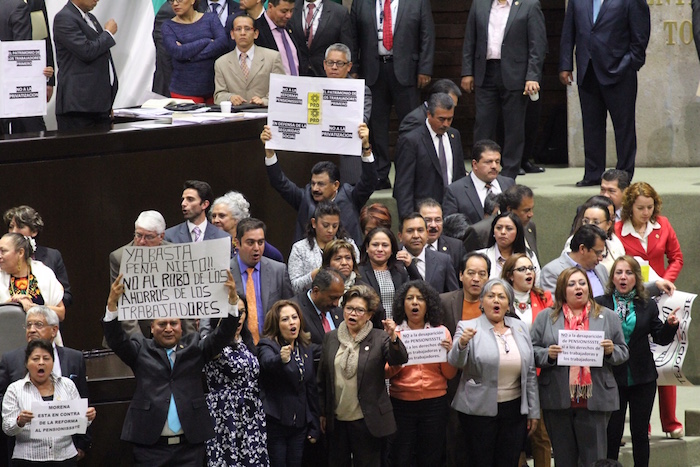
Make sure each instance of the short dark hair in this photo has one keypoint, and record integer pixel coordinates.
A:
(445, 86)
(455, 226)
(203, 190)
(586, 235)
(326, 167)
(513, 196)
(474, 254)
(325, 277)
(482, 146)
(277, 2)
(493, 201)
(411, 216)
(427, 203)
(24, 216)
(247, 224)
(622, 177)
(245, 15)
(440, 100)
(37, 344)
(433, 311)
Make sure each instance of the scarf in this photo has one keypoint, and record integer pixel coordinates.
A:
(349, 346)
(580, 382)
(624, 303)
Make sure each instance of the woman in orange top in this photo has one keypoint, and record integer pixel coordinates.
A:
(419, 392)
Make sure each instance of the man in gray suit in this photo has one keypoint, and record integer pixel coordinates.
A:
(196, 201)
(502, 57)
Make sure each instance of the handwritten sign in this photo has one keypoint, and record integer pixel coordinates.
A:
(175, 281)
(580, 348)
(319, 115)
(669, 358)
(423, 346)
(22, 82)
(55, 419)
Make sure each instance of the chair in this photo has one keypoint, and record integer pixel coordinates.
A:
(12, 319)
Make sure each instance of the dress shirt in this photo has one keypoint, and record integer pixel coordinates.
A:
(480, 187)
(628, 229)
(316, 16)
(202, 229)
(256, 281)
(597, 288)
(277, 33)
(319, 312)
(448, 149)
(497, 28)
(222, 12)
(420, 261)
(56, 362)
(249, 56)
(88, 20)
(380, 25)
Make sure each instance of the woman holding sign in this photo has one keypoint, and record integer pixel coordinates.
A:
(636, 379)
(497, 394)
(40, 384)
(419, 391)
(577, 400)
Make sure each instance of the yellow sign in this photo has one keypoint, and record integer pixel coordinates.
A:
(314, 117)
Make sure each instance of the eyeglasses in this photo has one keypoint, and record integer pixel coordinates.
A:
(503, 340)
(358, 311)
(524, 268)
(147, 237)
(595, 222)
(481, 274)
(243, 28)
(176, 1)
(335, 63)
(38, 325)
(600, 253)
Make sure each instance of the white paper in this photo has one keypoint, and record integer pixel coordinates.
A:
(580, 348)
(669, 358)
(423, 345)
(320, 115)
(22, 82)
(54, 419)
(179, 280)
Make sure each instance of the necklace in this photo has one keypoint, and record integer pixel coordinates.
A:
(523, 305)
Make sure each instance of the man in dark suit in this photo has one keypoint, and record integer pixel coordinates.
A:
(429, 157)
(417, 116)
(197, 197)
(164, 66)
(316, 25)
(432, 213)
(42, 323)
(502, 57)
(319, 305)
(168, 420)
(325, 186)
(221, 8)
(467, 195)
(434, 267)
(394, 51)
(274, 34)
(610, 38)
(87, 77)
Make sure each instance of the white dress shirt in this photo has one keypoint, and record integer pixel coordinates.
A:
(380, 24)
(448, 149)
(497, 28)
(481, 190)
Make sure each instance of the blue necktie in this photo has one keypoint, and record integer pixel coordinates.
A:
(173, 419)
(596, 9)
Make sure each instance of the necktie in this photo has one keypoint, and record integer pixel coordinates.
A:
(288, 52)
(244, 65)
(252, 306)
(596, 9)
(173, 419)
(214, 8)
(324, 322)
(310, 24)
(488, 189)
(387, 37)
(443, 161)
(197, 233)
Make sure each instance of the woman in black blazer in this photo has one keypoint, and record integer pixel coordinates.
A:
(287, 384)
(636, 379)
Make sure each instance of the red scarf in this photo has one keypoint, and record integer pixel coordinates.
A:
(580, 382)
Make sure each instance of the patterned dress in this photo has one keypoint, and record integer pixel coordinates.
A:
(234, 404)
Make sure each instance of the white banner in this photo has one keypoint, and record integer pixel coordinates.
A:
(175, 281)
(423, 345)
(669, 358)
(22, 82)
(580, 348)
(319, 115)
(55, 419)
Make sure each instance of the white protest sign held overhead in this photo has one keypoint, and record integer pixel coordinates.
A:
(22, 82)
(423, 345)
(580, 348)
(54, 419)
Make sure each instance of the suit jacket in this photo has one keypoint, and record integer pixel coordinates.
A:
(477, 393)
(333, 26)
(554, 380)
(550, 272)
(451, 304)
(418, 172)
(523, 48)
(265, 37)
(349, 199)
(233, 6)
(84, 61)
(615, 44)
(38, 7)
(414, 118)
(312, 322)
(164, 65)
(439, 271)
(414, 41)
(15, 21)
(53, 259)
(477, 236)
(454, 249)
(641, 363)
(181, 234)
(374, 352)
(156, 381)
(229, 78)
(461, 196)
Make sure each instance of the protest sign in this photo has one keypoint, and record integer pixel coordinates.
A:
(54, 419)
(175, 281)
(669, 358)
(22, 82)
(423, 345)
(580, 348)
(319, 115)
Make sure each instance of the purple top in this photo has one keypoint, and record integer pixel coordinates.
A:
(193, 62)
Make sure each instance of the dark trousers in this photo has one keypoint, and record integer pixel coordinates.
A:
(387, 91)
(492, 99)
(495, 441)
(353, 439)
(77, 120)
(456, 454)
(285, 444)
(72, 462)
(596, 101)
(579, 436)
(163, 455)
(421, 427)
(640, 398)
(22, 125)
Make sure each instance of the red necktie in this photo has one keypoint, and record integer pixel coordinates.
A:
(387, 37)
(325, 323)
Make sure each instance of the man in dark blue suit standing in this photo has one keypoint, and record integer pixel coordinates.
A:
(611, 38)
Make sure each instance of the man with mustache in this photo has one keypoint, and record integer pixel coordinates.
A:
(432, 213)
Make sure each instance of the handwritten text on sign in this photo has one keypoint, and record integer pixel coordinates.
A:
(580, 348)
(423, 346)
(175, 281)
(669, 358)
(58, 418)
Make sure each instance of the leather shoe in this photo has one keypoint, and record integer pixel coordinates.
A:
(585, 182)
(531, 168)
(384, 184)
(521, 171)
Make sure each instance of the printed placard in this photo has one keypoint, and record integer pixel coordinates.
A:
(22, 80)
(423, 345)
(580, 348)
(54, 419)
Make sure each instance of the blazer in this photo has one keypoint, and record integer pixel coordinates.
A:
(312, 322)
(439, 271)
(641, 366)
(164, 64)
(414, 118)
(349, 199)
(156, 381)
(615, 44)
(554, 379)
(39, 7)
(84, 60)
(661, 242)
(333, 26)
(477, 236)
(477, 393)
(375, 352)
(523, 47)
(418, 174)
(15, 21)
(53, 259)
(461, 196)
(550, 272)
(399, 275)
(454, 249)
(265, 37)
(181, 234)
(293, 403)
(414, 41)
(229, 78)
